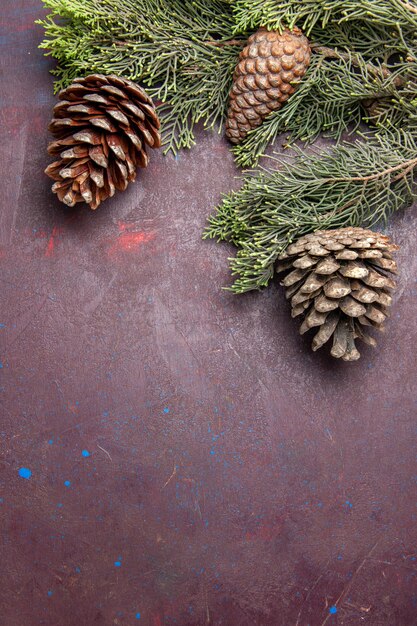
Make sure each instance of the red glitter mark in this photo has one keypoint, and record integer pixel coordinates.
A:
(50, 248)
(128, 241)
(157, 620)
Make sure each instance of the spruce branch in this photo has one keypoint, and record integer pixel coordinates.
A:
(352, 184)
(184, 52)
(331, 100)
(174, 47)
(397, 14)
(356, 61)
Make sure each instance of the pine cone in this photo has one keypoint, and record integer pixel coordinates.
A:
(102, 125)
(269, 68)
(339, 283)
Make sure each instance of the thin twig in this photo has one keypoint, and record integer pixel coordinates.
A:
(403, 174)
(330, 53)
(407, 166)
(105, 451)
(408, 6)
(231, 42)
(171, 477)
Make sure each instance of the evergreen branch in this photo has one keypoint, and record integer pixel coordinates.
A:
(353, 184)
(174, 47)
(331, 98)
(184, 53)
(356, 61)
(251, 14)
(404, 166)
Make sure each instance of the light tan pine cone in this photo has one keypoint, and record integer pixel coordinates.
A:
(269, 68)
(102, 126)
(339, 281)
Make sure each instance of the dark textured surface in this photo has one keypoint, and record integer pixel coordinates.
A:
(234, 478)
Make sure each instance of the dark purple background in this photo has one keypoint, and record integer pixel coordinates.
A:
(234, 478)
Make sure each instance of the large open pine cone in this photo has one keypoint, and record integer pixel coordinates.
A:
(269, 68)
(339, 282)
(102, 125)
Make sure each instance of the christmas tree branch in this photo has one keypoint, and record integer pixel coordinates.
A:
(185, 51)
(405, 166)
(313, 192)
(328, 53)
(356, 61)
(309, 14)
(162, 43)
(331, 100)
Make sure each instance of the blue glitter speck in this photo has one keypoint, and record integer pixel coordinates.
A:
(85, 453)
(166, 410)
(67, 483)
(24, 472)
(51, 441)
(50, 593)
(117, 563)
(333, 610)
(137, 615)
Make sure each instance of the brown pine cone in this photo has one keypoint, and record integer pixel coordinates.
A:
(339, 282)
(269, 68)
(102, 125)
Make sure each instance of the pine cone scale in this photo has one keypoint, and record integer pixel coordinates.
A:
(102, 126)
(338, 280)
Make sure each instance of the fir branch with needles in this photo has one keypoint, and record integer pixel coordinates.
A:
(184, 52)
(399, 15)
(170, 46)
(358, 183)
(332, 100)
